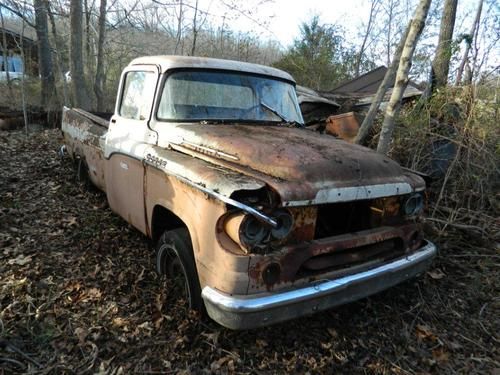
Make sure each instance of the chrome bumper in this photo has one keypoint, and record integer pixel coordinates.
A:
(245, 312)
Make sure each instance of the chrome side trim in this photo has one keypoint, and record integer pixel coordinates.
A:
(242, 304)
(252, 211)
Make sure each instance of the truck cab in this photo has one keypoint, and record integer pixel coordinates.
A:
(261, 219)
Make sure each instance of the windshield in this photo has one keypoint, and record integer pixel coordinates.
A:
(203, 95)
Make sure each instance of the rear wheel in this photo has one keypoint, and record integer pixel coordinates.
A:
(82, 173)
(174, 258)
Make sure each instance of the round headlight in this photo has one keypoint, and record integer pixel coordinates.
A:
(414, 205)
(245, 230)
(285, 224)
(252, 231)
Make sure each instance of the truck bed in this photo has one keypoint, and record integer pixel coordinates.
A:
(83, 133)
(100, 118)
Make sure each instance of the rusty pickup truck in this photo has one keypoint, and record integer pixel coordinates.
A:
(259, 218)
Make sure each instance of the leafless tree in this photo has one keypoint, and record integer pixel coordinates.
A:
(389, 77)
(99, 74)
(441, 62)
(180, 19)
(374, 6)
(78, 86)
(416, 26)
(48, 91)
(468, 42)
(23, 86)
(58, 53)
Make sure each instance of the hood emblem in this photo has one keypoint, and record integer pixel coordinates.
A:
(208, 151)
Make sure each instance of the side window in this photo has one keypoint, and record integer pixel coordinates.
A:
(17, 64)
(137, 95)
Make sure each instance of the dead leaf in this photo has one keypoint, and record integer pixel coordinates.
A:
(261, 343)
(81, 334)
(71, 221)
(120, 322)
(326, 345)
(440, 355)
(212, 337)
(332, 332)
(20, 260)
(423, 332)
(436, 274)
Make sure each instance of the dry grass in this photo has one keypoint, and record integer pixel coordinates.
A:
(465, 193)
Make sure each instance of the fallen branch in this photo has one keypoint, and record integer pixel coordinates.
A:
(8, 345)
(458, 226)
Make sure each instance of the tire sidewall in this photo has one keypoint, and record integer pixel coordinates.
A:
(178, 242)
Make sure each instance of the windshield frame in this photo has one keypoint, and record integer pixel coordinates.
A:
(170, 72)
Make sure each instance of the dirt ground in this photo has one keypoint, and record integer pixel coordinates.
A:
(78, 294)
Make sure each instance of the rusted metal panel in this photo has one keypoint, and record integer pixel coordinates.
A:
(217, 266)
(83, 140)
(293, 257)
(303, 167)
(217, 178)
(344, 126)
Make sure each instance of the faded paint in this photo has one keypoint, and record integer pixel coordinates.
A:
(167, 63)
(303, 167)
(203, 173)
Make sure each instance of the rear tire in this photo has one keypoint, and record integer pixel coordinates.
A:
(174, 258)
(82, 174)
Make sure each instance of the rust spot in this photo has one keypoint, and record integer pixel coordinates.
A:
(340, 251)
(344, 126)
(295, 163)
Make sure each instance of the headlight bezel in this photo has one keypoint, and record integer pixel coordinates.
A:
(253, 235)
(413, 205)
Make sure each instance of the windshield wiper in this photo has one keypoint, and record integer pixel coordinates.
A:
(281, 116)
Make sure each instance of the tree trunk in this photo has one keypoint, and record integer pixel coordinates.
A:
(389, 31)
(468, 40)
(179, 27)
(416, 26)
(382, 89)
(359, 58)
(78, 86)
(48, 92)
(23, 83)
(58, 53)
(195, 30)
(441, 64)
(99, 74)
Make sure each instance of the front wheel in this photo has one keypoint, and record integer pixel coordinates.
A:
(174, 258)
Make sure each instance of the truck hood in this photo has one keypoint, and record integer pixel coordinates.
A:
(301, 165)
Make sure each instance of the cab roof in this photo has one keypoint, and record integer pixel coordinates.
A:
(167, 62)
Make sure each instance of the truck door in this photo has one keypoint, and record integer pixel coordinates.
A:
(128, 137)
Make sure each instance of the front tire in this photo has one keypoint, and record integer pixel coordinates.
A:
(175, 259)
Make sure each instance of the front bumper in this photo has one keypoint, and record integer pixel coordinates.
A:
(245, 312)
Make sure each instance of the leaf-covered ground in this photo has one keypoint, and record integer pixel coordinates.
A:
(78, 294)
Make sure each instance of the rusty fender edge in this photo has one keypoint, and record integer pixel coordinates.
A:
(245, 312)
